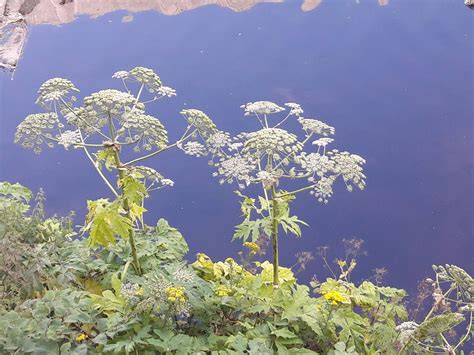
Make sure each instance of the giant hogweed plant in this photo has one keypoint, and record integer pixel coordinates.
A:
(108, 123)
(271, 156)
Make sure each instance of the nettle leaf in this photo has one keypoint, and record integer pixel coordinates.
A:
(106, 220)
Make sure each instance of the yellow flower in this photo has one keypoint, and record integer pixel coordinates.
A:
(222, 291)
(341, 263)
(175, 294)
(81, 337)
(253, 248)
(139, 291)
(334, 297)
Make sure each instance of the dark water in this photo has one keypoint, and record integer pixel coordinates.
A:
(396, 81)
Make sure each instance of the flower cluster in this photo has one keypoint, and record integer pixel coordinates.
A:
(217, 142)
(121, 74)
(147, 131)
(176, 294)
(200, 121)
(315, 126)
(132, 292)
(334, 297)
(236, 168)
(323, 188)
(322, 142)
(455, 274)
(350, 167)
(314, 164)
(266, 155)
(83, 119)
(222, 291)
(53, 90)
(38, 129)
(184, 276)
(146, 77)
(81, 337)
(108, 102)
(166, 91)
(261, 108)
(69, 138)
(194, 148)
(253, 248)
(271, 141)
(295, 109)
(165, 296)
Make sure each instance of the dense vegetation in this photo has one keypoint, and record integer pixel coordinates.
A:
(118, 285)
(59, 295)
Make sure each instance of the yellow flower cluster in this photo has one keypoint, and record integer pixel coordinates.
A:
(334, 297)
(140, 291)
(81, 337)
(222, 291)
(175, 294)
(253, 248)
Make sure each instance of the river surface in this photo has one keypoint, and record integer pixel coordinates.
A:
(396, 81)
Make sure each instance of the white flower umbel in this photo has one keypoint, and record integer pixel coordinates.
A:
(217, 142)
(146, 131)
(261, 108)
(38, 130)
(166, 91)
(200, 121)
(145, 76)
(194, 148)
(315, 126)
(236, 169)
(295, 109)
(69, 138)
(54, 90)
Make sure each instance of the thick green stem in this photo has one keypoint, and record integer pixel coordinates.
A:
(126, 207)
(125, 202)
(274, 238)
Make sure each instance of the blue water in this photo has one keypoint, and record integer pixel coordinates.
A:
(396, 81)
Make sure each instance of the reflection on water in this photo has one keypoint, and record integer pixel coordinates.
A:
(15, 15)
